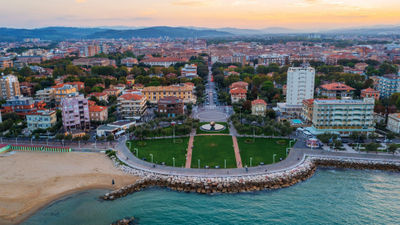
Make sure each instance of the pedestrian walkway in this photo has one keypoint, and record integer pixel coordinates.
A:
(189, 152)
(237, 152)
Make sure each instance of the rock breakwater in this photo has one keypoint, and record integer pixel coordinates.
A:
(245, 182)
(228, 184)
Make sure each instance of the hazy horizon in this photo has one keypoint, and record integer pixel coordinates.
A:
(243, 14)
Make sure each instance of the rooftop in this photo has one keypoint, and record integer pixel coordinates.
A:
(337, 87)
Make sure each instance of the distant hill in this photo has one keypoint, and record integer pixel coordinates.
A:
(63, 33)
(156, 32)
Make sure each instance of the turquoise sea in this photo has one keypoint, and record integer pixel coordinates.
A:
(329, 197)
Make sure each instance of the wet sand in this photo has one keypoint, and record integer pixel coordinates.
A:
(31, 180)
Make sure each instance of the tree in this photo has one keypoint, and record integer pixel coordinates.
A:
(390, 135)
(110, 137)
(372, 147)
(392, 148)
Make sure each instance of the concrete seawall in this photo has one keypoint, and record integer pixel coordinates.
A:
(245, 183)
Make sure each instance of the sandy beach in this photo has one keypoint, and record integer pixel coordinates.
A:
(31, 180)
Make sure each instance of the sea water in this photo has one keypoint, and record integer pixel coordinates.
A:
(329, 197)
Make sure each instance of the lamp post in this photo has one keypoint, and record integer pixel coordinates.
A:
(273, 158)
(173, 130)
(287, 151)
(16, 140)
(31, 140)
(173, 161)
(251, 160)
(62, 142)
(151, 155)
(79, 142)
(137, 152)
(198, 162)
(225, 163)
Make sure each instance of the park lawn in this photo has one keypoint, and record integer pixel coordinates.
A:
(212, 151)
(225, 131)
(262, 150)
(163, 150)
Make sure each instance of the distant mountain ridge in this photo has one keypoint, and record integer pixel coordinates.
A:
(63, 33)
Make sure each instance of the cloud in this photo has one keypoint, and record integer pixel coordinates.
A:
(192, 3)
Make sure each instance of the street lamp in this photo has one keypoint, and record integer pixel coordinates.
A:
(251, 160)
(198, 162)
(151, 155)
(287, 150)
(273, 158)
(173, 130)
(137, 152)
(225, 163)
(173, 161)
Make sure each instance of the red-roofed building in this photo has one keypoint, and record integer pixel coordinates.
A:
(131, 106)
(258, 107)
(239, 84)
(335, 90)
(237, 94)
(77, 84)
(162, 61)
(112, 91)
(171, 106)
(101, 96)
(98, 113)
(370, 93)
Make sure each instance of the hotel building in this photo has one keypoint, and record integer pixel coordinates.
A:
(343, 116)
(41, 119)
(9, 87)
(183, 91)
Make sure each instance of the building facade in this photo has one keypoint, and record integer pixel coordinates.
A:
(131, 106)
(98, 113)
(9, 87)
(335, 90)
(64, 91)
(6, 62)
(47, 95)
(343, 116)
(171, 106)
(258, 107)
(300, 85)
(388, 85)
(41, 119)
(183, 91)
(370, 93)
(189, 71)
(75, 113)
(238, 94)
(393, 123)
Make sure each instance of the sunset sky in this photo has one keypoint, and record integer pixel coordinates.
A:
(300, 14)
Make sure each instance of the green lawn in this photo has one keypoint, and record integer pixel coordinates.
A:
(262, 150)
(212, 150)
(163, 150)
(225, 131)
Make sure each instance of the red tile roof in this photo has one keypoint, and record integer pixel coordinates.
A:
(369, 90)
(131, 96)
(97, 108)
(238, 91)
(258, 101)
(337, 87)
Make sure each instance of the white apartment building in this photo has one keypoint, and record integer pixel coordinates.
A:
(189, 71)
(343, 116)
(9, 87)
(393, 123)
(300, 85)
(47, 95)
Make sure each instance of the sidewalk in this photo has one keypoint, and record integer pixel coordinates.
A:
(190, 149)
(237, 152)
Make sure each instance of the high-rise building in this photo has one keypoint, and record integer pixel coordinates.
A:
(9, 87)
(75, 113)
(300, 85)
(388, 85)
